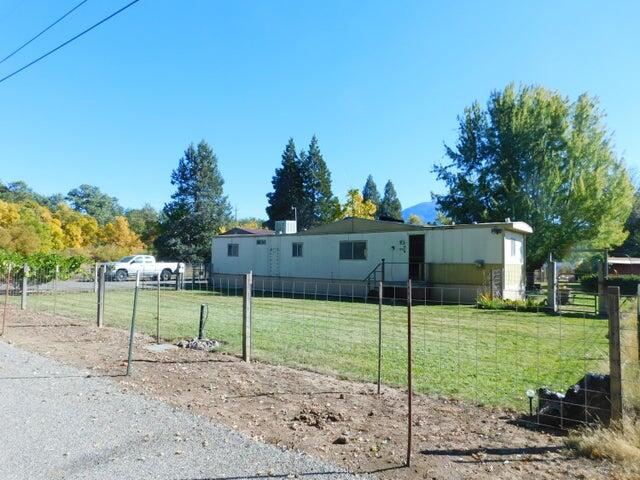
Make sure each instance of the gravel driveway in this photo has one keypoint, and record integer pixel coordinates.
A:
(59, 423)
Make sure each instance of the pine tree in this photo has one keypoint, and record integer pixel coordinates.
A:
(288, 187)
(199, 209)
(370, 191)
(390, 205)
(322, 205)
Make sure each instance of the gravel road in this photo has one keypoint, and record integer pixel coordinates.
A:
(60, 423)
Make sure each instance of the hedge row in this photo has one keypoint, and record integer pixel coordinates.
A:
(628, 283)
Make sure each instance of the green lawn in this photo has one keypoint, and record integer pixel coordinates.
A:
(486, 356)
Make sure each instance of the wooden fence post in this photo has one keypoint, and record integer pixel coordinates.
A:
(246, 317)
(25, 287)
(638, 323)
(615, 357)
(100, 295)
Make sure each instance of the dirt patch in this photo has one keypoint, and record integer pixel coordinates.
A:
(342, 421)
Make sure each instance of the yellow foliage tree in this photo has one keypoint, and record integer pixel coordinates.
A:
(356, 206)
(119, 235)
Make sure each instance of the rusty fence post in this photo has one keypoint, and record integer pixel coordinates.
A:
(409, 373)
(246, 317)
(615, 356)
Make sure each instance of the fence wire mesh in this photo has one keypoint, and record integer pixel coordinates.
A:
(519, 356)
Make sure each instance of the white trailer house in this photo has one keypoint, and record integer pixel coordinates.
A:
(448, 262)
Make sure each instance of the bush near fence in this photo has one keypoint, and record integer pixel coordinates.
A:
(628, 283)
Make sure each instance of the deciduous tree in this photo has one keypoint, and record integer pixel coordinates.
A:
(356, 206)
(533, 155)
(91, 200)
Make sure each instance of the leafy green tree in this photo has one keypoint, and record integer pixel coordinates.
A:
(198, 210)
(145, 222)
(390, 205)
(631, 245)
(90, 200)
(370, 192)
(288, 187)
(535, 156)
(322, 205)
(19, 191)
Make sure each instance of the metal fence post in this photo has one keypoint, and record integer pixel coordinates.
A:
(615, 356)
(602, 289)
(409, 373)
(246, 317)
(95, 277)
(552, 286)
(25, 286)
(158, 311)
(132, 331)
(7, 285)
(380, 296)
(56, 273)
(100, 296)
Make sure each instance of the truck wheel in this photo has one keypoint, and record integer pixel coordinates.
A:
(165, 275)
(121, 275)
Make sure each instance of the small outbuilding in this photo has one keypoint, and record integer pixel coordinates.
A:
(450, 262)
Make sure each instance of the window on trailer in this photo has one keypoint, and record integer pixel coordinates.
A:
(296, 249)
(356, 250)
(233, 249)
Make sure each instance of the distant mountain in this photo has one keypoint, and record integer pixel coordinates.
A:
(425, 210)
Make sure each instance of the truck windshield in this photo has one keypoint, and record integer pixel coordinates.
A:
(125, 259)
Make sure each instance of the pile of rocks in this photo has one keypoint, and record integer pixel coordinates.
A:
(206, 344)
(586, 402)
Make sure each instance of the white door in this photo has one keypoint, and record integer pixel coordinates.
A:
(274, 262)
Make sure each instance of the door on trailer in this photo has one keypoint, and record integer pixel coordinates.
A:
(416, 258)
(274, 262)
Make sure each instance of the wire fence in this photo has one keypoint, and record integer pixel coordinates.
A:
(555, 368)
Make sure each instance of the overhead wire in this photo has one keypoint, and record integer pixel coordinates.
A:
(43, 31)
(43, 56)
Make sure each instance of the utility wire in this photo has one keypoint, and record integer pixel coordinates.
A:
(43, 31)
(41, 57)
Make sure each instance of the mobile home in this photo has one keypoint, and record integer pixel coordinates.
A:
(449, 261)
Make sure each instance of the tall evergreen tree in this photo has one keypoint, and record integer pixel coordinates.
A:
(390, 205)
(288, 187)
(199, 209)
(370, 192)
(322, 205)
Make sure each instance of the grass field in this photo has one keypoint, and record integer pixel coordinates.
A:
(486, 356)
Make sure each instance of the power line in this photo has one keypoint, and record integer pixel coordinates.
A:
(69, 41)
(43, 31)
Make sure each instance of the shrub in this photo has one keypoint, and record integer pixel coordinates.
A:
(487, 302)
(42, 264)
(628, 283)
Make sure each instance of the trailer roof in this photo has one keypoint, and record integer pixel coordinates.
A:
(363, 225)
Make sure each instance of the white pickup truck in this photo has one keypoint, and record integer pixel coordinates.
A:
(128, 267)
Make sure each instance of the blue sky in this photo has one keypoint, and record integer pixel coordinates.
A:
(380, 83)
